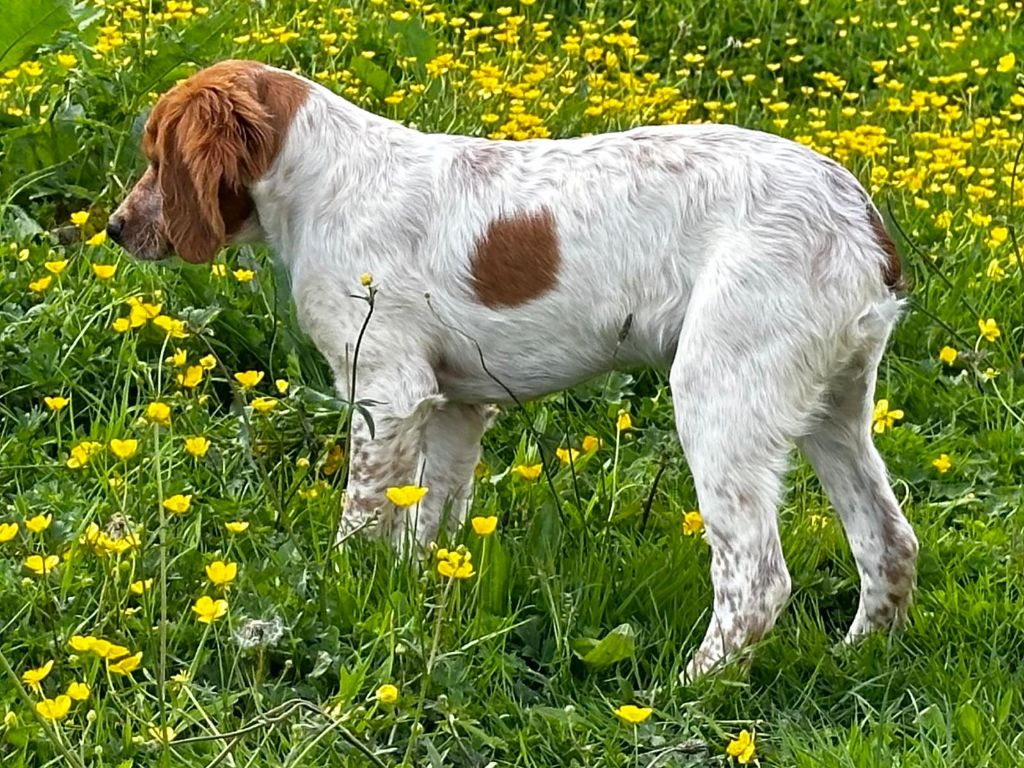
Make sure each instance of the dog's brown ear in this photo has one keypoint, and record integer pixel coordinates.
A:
(213, 142)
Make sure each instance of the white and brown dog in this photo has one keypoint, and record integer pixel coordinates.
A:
(758, 272)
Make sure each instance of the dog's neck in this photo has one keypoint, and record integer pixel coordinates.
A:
(337, 162)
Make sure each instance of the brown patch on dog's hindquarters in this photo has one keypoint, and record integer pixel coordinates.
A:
(892, 272)
(517, 259)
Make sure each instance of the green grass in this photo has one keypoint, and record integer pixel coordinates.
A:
(490, 670)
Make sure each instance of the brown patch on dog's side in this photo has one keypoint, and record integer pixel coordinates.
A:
(892, 272)
(517, 259)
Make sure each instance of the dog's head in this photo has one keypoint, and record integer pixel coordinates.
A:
(207, 140)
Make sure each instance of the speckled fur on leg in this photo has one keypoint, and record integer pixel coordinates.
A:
(853, 474)
(736, 431)
(399, 406)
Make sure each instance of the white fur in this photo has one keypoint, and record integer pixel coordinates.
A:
(746, 264)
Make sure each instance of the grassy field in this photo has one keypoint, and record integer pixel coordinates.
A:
(168, 593)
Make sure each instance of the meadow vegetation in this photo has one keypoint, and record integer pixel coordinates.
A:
(172, 453)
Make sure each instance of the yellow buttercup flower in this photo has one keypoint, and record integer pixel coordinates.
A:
(56, 403)
(165, 735)
(98, 239)
(997, 236)
(282, 385)
(528, 471)
(220, 573)
(54, 709)
(365, 279)
(172, 326)
(742, 747)
(8, 531)
(104, 271)
(387, 694)
(209, 610)
(179, 358)
(178, 503)
(406, 495)
(78, 691)
(454, 564)
(942, 463)
(249, 379)
(243, 275)
(108, 650)
(79, 218)
(34, 677)
(484, 526)
(948, 355)
(39, 523)
(82, 453)
(333, 461)
(994, 271)
(40, 285)
(209, 362)
(66, 60)
(693, 523)
(884, 418)
(237, 526)
(121, 325)
(623, 422)
(159, 413)
(1006, 63)
(192, 376)
(82, 643)
(632, 714)
(125, 666)
(197, 446)
(140, 586)
(590, 443)
(141, 312)
(263, 404)
(989, 329)
(567, 455)
(40, 565)
(124, 449)
(56, 267)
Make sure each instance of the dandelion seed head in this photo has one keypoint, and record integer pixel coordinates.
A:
(259, 633)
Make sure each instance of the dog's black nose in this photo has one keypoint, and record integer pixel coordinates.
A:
(114, 227)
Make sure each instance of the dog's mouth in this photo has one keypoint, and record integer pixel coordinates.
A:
(145, 247)
(144, 241)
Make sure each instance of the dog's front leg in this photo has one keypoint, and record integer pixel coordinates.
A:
(449, 457)
(392, 407)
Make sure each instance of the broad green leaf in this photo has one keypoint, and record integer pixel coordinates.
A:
(617, 645)
(27, 24)
(415, 42)
(371, 74)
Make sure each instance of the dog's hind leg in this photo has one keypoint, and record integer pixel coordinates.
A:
(853, 474)
(733, 403)
(745, 381)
